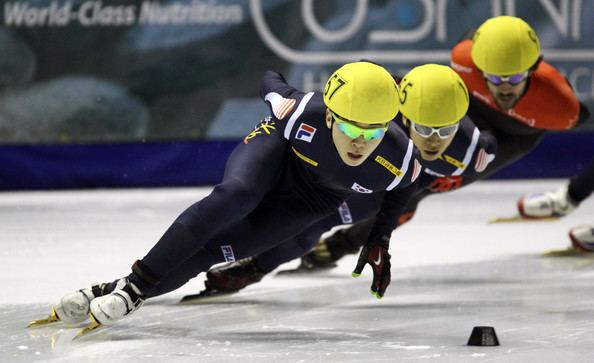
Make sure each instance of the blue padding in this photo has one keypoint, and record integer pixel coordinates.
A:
(559, 155)
(29, 167)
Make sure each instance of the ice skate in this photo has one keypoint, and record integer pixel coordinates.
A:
(125, 299)
(564, 252)
(546, 205)
(325, 254)
(73, 308)
(93, 325)
(319, 259)
(582, 243)
(582, 238)
(519, 218)
(205, 295)
(228, 279)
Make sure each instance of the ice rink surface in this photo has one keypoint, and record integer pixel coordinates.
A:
(451, 271)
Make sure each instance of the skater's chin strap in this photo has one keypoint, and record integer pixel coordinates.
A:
(145, 274)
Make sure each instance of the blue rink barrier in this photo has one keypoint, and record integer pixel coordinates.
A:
(194, 163)
(559, 155)
(154, 164)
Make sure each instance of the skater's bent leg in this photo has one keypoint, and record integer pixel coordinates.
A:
(289, 250)
(251, 172)
(249, 237)
(182, 274)
(582, 185)
(357, 208)
(351, 239)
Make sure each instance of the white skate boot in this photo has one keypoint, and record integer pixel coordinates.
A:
(73, 308)
(546, 205)
(582, 238)
(125, 299)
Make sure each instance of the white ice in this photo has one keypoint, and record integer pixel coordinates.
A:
(451, 271)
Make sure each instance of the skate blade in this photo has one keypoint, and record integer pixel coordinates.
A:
(520, 219)
(204, 296)
(568, 252)
(92, 326)
(299, 271)
(52, 318)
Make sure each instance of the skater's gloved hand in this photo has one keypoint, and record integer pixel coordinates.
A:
(376, 255)
(446, 184)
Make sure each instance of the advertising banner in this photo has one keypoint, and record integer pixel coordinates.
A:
(88, 71)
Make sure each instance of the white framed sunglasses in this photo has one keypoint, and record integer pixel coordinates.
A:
(427, 131)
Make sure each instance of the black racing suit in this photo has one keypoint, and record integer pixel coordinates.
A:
(582, 185)
(470, 152)
(283, 178)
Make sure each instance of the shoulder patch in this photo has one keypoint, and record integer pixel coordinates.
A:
(416, 170)
(281, 106)
(482, 160)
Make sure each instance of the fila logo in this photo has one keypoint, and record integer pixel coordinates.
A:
(356, 187)
(305, 132)
(228, 253)
(345, 213)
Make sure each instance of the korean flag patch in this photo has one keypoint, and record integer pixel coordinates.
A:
(360, 189)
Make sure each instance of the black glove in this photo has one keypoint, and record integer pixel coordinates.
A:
(377, 256)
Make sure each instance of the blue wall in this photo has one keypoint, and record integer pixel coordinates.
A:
(30, 167)
(557, 156)
(27, 167)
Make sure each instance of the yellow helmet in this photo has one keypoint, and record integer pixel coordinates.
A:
(505, 45)
(362, 92)
(433, 95)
